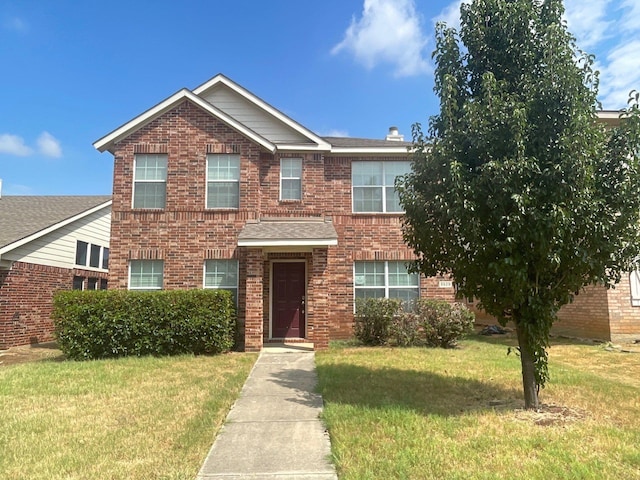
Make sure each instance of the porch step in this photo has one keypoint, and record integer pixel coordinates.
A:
(284, 347)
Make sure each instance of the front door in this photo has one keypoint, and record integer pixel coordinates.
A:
(288, 300)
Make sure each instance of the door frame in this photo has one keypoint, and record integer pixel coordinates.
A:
(306, 296)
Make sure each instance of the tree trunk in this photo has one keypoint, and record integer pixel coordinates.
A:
(528, 369)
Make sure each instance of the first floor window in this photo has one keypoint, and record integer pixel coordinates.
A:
(222, 274)
(385, 280)
(634, 282)
(150, 181)
(78, 283)
(145, 274)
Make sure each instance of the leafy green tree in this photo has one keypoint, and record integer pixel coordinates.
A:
(517, 191)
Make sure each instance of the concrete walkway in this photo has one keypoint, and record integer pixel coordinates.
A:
(273, 430)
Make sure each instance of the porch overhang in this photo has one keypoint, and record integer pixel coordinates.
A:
(283, 233)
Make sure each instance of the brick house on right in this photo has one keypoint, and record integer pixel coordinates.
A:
(215, 188)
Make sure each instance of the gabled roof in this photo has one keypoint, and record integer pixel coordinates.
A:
(106, 142)
(25, 218)
(220, 79)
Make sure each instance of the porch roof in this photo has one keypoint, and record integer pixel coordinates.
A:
(288, 232)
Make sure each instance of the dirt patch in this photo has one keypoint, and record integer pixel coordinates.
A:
(550, 414)
(30, 353)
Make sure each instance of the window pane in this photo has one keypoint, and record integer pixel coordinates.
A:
(222, 274)
(105, 258)
(103, 284)
(366, 173)
(151, 167)
(400, 277)
(94, 259)
(149, 195)
(223, 195)
(78, 283)
(291, 189)
(291, 167)
(367, 199)
(369, 274)
(392, 200)
(92, 284)
(81, 253)
(369, 292)
(392, 170)
(404, 294)
(146, 274)
(223, 167)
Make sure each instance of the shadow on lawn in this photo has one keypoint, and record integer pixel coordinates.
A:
(425, 393)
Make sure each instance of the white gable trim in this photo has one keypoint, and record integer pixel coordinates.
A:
(51, 228)
(370, 150)
(143, 119)
(321, 144)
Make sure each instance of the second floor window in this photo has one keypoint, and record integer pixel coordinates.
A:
(91, 255)
(374, 186)
(223, 181)
(150, 181)
(290, 179)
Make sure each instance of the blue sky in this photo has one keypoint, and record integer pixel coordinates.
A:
(72, 71)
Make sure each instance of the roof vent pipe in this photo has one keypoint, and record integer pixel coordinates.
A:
(394, 135)
(0, 188)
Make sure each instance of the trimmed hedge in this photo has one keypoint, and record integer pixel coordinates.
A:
(117, 323)
(432, 323)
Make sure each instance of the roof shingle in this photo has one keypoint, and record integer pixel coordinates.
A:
(21, 216)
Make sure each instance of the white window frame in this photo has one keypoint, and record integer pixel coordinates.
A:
(137, 181)
(383, 186)
(232, 288)
(224, 180)
(130, 287)
(283, 178)
(386, 285)
(634, 288)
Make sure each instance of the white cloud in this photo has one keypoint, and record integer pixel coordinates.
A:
(334, 133)
(630, 17)
(16, 24)
(389, 31)
(14, 145)
(620, 75)
(49, 145)
(451, 14)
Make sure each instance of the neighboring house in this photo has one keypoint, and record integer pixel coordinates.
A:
(215, 188)
(48, 243)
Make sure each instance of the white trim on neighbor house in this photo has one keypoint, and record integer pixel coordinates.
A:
(221, 79)
(143, 119)
(369, 150)
(319, 242)
(52, 228)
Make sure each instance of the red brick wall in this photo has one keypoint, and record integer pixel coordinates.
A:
(586, 317)
(26, 294)
(623, 317)
(184, 234)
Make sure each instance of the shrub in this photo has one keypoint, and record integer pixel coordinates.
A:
(114, 323)
(374, 318)
(443, 323)
(406, 329)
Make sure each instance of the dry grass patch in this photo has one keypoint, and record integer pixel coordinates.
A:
(457, 414)
(132, 418)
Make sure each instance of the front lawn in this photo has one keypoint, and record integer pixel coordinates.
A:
(132, 418)
(457, 414)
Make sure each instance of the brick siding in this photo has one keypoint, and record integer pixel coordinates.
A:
(26, 301)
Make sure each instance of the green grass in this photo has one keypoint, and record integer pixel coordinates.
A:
(132, 418)
(457, 414)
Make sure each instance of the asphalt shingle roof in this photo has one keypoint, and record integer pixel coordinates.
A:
(289, 229)
(21, 216)
(351, 142)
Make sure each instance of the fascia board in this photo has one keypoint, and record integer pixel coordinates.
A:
(289, 243)
(143, 119)
(370, 150)
(264, 106)
(52, 228)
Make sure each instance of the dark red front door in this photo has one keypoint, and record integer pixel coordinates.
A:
(288, 299)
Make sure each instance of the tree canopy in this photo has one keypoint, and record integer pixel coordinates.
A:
(517, 191)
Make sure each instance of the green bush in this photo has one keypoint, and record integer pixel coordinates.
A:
(443, 323)
(116, 323)
(406, 329)
(374, 319)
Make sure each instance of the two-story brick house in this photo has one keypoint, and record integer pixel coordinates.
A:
(215, 188)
